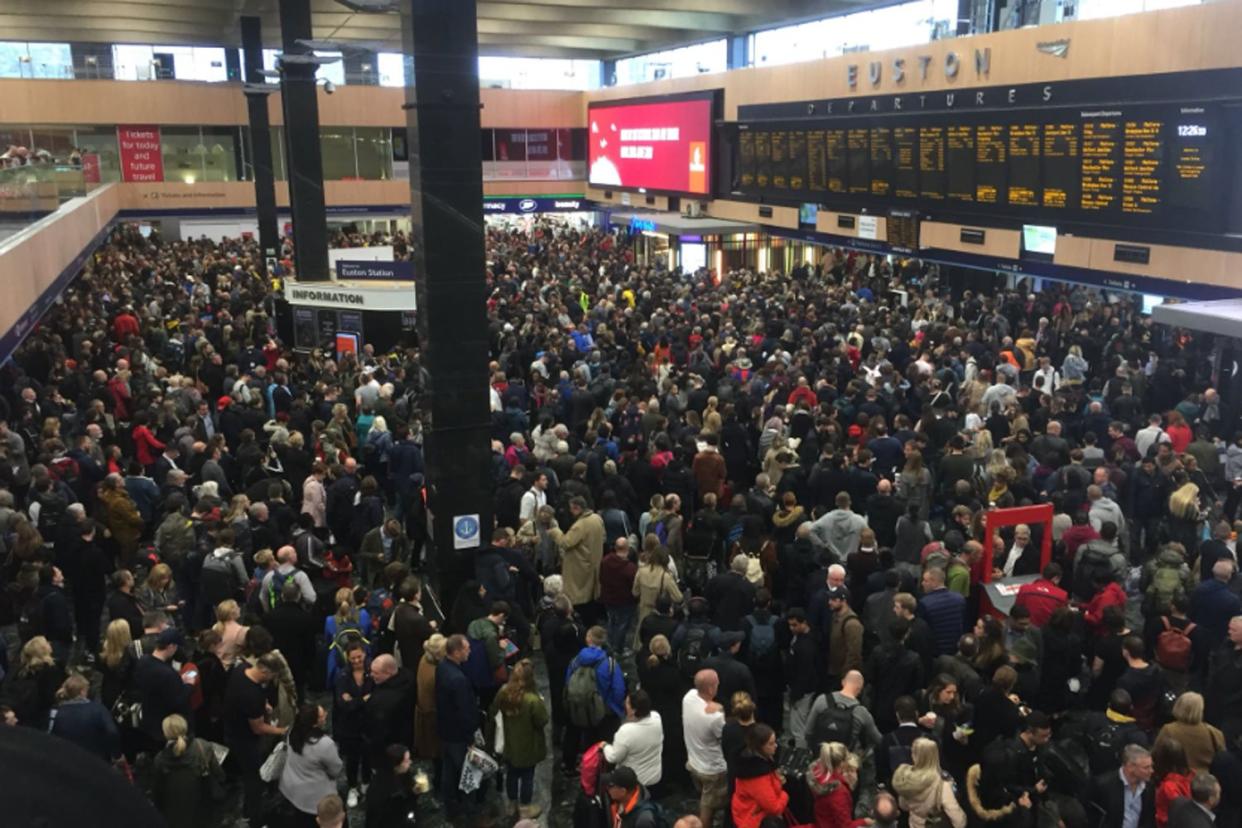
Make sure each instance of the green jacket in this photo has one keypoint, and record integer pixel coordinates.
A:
(525, 742)
(482, 629)
(957, 578)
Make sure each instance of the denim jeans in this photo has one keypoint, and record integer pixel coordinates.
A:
(620, 626)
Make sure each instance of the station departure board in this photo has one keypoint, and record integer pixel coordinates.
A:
(1148, 164)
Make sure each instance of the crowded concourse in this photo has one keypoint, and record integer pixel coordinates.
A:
(738, 572)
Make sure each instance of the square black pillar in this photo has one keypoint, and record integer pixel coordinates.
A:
(299, 99)
(446, 200)
(260, 141)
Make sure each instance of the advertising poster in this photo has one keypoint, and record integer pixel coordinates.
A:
(141, 156)
(655, 146)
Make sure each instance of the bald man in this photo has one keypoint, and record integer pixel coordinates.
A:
(702, 724)
(857, 732)
(388, 717)
(883, 509)
(286, 571)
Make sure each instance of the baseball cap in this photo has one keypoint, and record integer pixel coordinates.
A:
(622, 777)
(838, 594)
(728, 639)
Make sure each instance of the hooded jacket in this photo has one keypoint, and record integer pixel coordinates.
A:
(838, 532)
(925, 792)
(608, 677)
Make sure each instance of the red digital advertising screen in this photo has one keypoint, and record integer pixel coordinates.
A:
(656, 145)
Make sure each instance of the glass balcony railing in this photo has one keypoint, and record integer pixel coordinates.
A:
(30, 192)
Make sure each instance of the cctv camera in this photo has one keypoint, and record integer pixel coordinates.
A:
(328, 87)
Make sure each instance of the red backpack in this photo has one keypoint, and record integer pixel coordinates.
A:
(1174, 649)
(593, 767)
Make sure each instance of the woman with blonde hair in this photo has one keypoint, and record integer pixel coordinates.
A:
(239, 507)
(347, 624)
(652, 580)
(32, 686)
(426, 742)
(924, 789)
(187, 782)
(159, 592)
(832, 778)
(116, 661)
(524, 717)
(232, 632)
(652, 516)
(1201, 740)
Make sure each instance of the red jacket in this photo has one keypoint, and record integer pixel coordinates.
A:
(1171, 787)
(756, 798)
(146, 447)
(804, 394)
(1093, 611)
(125, 326)
(1042, 598)
(834, 802)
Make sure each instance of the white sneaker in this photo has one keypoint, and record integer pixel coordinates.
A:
(351, 801)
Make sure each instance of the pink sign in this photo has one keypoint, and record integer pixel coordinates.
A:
(90, 167)
(141, 155)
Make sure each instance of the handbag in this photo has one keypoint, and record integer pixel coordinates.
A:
(126, 713)
(936, 817)
(498, 741)
(792, 821)
(274, 765)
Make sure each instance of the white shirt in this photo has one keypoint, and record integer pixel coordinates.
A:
(638, 746)
(1145, 438)
(1015, 554)
(532, 500)
(702, 731)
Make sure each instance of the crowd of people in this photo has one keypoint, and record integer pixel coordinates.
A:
(743, 530)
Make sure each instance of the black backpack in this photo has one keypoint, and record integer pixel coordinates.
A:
(694, 650)
(1104, 747)
(760, 639)
(1093, 564)
(835, 723)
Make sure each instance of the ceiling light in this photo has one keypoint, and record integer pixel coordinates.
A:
(371, 6)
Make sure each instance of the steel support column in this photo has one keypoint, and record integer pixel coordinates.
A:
(304, 163)
(260, 142)
(446, 200)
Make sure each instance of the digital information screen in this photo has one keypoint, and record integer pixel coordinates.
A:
(1153, 165)
(903, 230)
(662, 145)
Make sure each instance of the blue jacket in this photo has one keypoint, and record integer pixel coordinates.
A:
(89, 725)
(608, 676)
(457, 707)
(1212, 604)
(405, 465)
(944, 611)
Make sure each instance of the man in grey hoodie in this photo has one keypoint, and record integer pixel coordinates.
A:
(1105, 510)
(839, 530)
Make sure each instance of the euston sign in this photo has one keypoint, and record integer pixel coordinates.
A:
(899, 68)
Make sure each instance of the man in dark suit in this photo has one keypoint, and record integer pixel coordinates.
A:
(1126, 798)
(1199, 809)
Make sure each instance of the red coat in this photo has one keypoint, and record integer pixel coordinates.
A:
(1171, 787)
(1042, 598)
(1093, 612)
(834, 802)
(804, 394)
(756, 798)
(146, 446)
